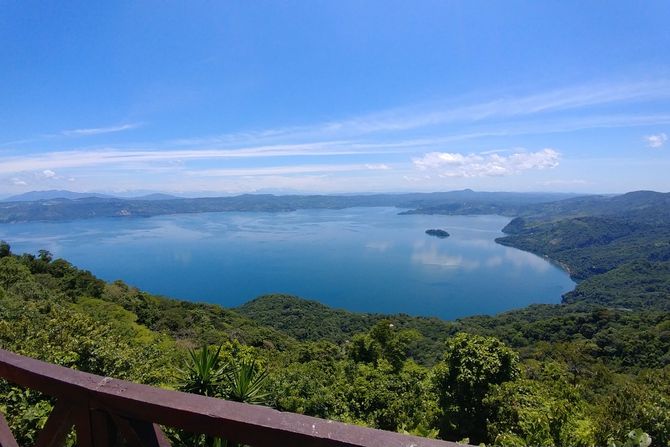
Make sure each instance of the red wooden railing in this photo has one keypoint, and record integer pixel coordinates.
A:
(102, 410)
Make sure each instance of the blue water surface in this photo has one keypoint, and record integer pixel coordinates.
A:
(361, 259)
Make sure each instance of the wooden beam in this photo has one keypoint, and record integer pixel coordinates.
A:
(238, 422)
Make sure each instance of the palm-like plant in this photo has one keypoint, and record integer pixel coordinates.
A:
(202, 372)
(247, 383)
(205, 373)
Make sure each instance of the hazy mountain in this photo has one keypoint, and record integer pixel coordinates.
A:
(454, 202)
(33, 196)
(155, 196)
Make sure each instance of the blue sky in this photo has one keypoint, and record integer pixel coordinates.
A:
(334, 96)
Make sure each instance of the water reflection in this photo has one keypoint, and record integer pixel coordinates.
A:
(364, 259)
(522, 259)
(380, 246)
(431, 254)
(183, 257)
(494, 261)
(449, 255)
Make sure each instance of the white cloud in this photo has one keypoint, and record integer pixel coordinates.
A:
(116, 157)
(502, 110)
(438, 114)
(565, 182)
(98, 130)
(432, 129)
(656, 141)
(284, 170)
(434, 114)
(19, 182)
(453, 164)
(378, 167)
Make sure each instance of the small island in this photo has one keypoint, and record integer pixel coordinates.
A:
(437, 233)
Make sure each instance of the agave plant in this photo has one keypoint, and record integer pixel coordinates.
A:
(205, 373)
(247, 382)
(202, 372)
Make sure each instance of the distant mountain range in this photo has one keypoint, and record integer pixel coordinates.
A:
(65, 205)
(530, 210)
(34, 196)
(155, 196)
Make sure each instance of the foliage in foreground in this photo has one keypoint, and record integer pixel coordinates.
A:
(572, 379)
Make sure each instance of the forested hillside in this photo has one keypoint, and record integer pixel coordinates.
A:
(593, 235)
(577, 374)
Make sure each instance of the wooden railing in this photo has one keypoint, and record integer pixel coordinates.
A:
(103, 410)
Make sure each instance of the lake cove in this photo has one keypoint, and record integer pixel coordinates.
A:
(360, 259)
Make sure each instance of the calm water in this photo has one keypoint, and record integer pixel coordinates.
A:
(362, 259)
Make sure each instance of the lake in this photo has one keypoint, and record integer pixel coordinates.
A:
(361, 259)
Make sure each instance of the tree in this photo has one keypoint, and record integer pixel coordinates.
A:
(533, 412)
(45, 256)
(383, 341)
(5, 249)
(13, 271)
(472, 365)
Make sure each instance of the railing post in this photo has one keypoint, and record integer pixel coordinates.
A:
(6, 437)
(103, 429)
(58, 426)
(82, 426)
